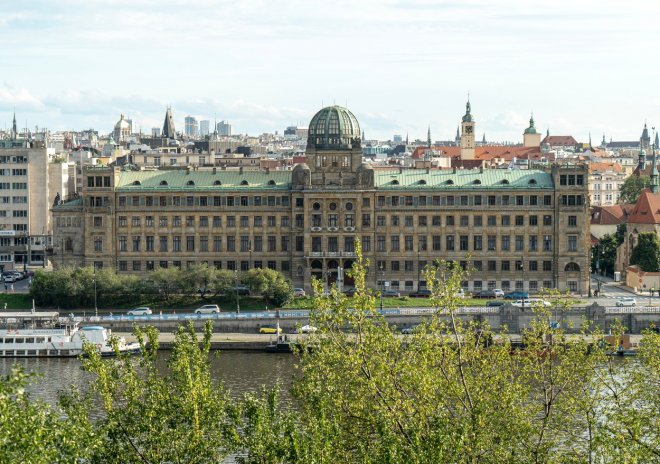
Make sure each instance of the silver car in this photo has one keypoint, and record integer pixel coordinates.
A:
(208, 309)
(141, 311)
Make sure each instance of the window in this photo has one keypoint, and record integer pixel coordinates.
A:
(463, 243)
(333, 244)
(520, 221)
(176, 221)
(162, 243)
(449, 239)
(259, 244)
(572, 221)
(477, 242)
(533, 266)
(491, 221)
(176, 243)
(492, 266)
(395, 221)
(137, 265)
(394, 241)
(217, 221)
(136, 243)
(245, 243)
(272, 243)
(492, 242)
(380, 243)
(217, 243)
(435, 221)
(300, 221)
(349, 244)
(533, 243)
(98, 244)
(231, 243)
(284, 240)
(300, 202)
(149, 243)
(520, 242)
(395, 266)
(436, 240)
(572, 243)
(506, 220)
(190, 221)
(506, 266)
(477, 200)
(464, 221)
(135, 221)
(271, 221)
(547, 220)
(190, 243)
(366, 220)
(123, 265)
(477, 221)
(450, 220)
(422, 242)
(478, 266)
(408, 221)
(547, 200)
(98, 221)
(408, 243)
(408, 266)
(123, 243)
(533, 220)
(366, 244)
(547, 266)
(547, 243)
(520, 200)
(245, 221)
(149, 221)
(231, 221)
(300, 243)
(380, 221)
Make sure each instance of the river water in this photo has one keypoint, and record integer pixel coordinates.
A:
(239, 371)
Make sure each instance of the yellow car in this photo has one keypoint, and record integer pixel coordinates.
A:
(269, 329)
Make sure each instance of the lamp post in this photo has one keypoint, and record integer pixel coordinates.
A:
(382, 282)
(26, 239)
(418, 270)
(522, 281)
(96, 309)
(238, 304)
(250, 251)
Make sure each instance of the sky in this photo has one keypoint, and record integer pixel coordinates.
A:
(581, 66)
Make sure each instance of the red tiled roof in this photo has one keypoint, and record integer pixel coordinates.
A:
(559, 141)
(593, 167)
(610, 215)
(647, 209)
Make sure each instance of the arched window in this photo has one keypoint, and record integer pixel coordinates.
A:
(532, 182)
(395, 182)
(244, 182)
(271, 182)
(190, 182)
(421, 182)
(504, 181)
(476, 182)
(217, 182)
(137, 182)
(163, 182)
(449, 182)
(572, 267)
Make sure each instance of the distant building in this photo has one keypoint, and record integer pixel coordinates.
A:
(122, 130)
(191, 127)
(168, 126)
(397, 139)
(224, 128)
(204, 127)
(155, 132)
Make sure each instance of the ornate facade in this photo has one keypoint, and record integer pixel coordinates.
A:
(522, 229)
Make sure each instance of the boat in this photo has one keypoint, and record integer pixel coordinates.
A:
(45, 334)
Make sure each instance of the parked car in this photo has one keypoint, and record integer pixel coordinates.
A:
(242, 290)
(9, 278)
(208, 309)
(270, 329)
(421, 294)
(141, 311)
(299, 292)
(350, 291)
(530, 302)
(460, 293)
(17, 275)
(391, 294)
(499, 293)
(496, 303)
(516, 295)
(485, 294)
(408, 330)
(305, 329)
(626, 301)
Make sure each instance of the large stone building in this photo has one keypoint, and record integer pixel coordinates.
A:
(522, 229)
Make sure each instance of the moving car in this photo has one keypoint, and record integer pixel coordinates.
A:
(141, 311)
(496, 303)
(626, 301)
(499, 293)
(299, 292)
(208, 309)
(391, 294)
(408, 330)
(9, 278)
(530, 302)
(270, 329)
(516, 295)
(350, 291)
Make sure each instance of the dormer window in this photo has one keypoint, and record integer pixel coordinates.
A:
(532, 182)
(244, 182)
(137, 182)
(217, 182)
(163, 182)
(190, 182)
(476, 182)
(271, 182)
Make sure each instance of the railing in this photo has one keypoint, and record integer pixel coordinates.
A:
(631, 309)
(283, 314)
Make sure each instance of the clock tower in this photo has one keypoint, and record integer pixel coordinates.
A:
(467, 134)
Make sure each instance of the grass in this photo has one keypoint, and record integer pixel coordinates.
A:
(15, 301)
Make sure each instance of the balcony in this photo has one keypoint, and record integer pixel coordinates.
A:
(333, 229)
(349, 229)
(316, 229)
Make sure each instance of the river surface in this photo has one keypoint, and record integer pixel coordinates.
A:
(239, 371)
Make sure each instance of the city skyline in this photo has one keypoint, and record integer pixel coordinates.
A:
(399, 66)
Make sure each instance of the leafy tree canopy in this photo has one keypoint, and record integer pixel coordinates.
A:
(632, 188)
(646, 253)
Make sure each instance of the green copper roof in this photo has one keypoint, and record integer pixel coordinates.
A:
(77, 203)
(531, 129)
(462, 179)
(333, 127)
(202, 180)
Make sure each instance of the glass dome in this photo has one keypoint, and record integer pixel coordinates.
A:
(333, 127)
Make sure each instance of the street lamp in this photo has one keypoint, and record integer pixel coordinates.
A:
(96, 309)
(522, 281)
(418, 270)
(250, 250)
(382, 282)
(238, 304)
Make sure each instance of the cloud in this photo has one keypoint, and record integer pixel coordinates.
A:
(18, 97)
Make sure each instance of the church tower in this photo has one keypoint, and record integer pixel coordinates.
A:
(467, 134)
(168, 126)
(531, 137)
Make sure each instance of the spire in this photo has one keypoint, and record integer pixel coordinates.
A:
(547, 132)
(531, 129)
(458, 134)
(468, 109)
(483, 140)
(168, 125)
(641, 161)
(589, 139)
(406, 138)
(603, 142)
(428, 137)
(654, 173)
(657, 141)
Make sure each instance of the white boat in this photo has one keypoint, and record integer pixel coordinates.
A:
(45, 334)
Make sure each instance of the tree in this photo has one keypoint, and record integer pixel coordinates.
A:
(632, 188)
(269, 283)
(646, 253)
(603, 255)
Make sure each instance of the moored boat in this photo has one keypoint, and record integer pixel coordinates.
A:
(45, 334)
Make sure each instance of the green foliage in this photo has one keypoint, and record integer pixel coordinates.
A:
(603, 255)
(632, 188)
(620, 234)
(646, 253)
(31, 431)
(269, 283)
